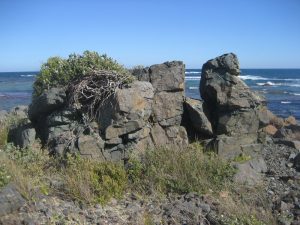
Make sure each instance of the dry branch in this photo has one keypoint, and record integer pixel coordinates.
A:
(92, 91)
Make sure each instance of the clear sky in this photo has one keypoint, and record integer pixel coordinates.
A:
(263, 33)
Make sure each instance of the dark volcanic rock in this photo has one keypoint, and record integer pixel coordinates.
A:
(197, 115)
(231, 104)
(168, 76)
(22, 135)
(139, 115)
(297, 162)
(47, 102)
(11, 200)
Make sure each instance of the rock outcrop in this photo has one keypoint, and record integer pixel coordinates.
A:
(232, 107)
(146, 113)
(196, 116)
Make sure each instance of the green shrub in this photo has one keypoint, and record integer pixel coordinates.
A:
(3, 135)
(58, 72)
(242, 158)
(4, 176)
(90, 181)
(179, 170)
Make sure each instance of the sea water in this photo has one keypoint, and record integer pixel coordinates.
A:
(281, 87)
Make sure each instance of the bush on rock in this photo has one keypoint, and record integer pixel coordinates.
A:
(59, 72)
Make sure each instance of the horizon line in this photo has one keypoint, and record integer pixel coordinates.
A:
(250, 68)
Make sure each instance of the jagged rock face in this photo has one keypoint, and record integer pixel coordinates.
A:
(231, 104)
(145, 114)
(197, 117)
(168, 76)
(47, 102)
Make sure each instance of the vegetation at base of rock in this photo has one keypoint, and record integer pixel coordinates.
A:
(180, 171)
(59, 72)
(4, 176)
(242, 158)
(3, 135)
(160, 172)
(91, 181)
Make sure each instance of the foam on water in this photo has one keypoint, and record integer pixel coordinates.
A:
(192, 77)
(28, 75)
(192, 72)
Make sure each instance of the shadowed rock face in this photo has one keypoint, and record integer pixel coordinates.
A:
(231, 104)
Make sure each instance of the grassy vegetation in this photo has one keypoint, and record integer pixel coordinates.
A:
(59, 72)
(160, 172)
(90, 181)
(180, 171)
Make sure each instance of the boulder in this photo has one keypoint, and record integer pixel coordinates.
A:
(168, 108)
(291, 132)
(270, 129)
(290, 121)
(197, 115)
(230, 147)
(22, 135)
(290, 143)
(265, 116)
(250, 172)
(11, 200)
(231, 104)
(168, 76)
(91, 146)
(135, 101)
(173, 136)
(235, 123)
(20, 111)
(46, 103)
(63, 117)
(115, 131)
(141, 73)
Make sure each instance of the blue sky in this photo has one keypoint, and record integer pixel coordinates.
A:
(263, 33)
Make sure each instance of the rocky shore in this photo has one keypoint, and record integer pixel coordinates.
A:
(152, 112)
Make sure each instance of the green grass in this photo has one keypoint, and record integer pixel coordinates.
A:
(4, 176)
(242, 158)
(158, 171)
(180, 171)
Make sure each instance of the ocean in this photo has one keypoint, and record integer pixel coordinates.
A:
(281, 87)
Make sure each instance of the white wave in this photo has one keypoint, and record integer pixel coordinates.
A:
(251, 77)
(296, 94)
(192, 72)
(285, 102)
(192, 78)
(28, 75)
(269, 83)
(193, 88)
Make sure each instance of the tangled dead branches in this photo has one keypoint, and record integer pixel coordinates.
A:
(92, 91)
